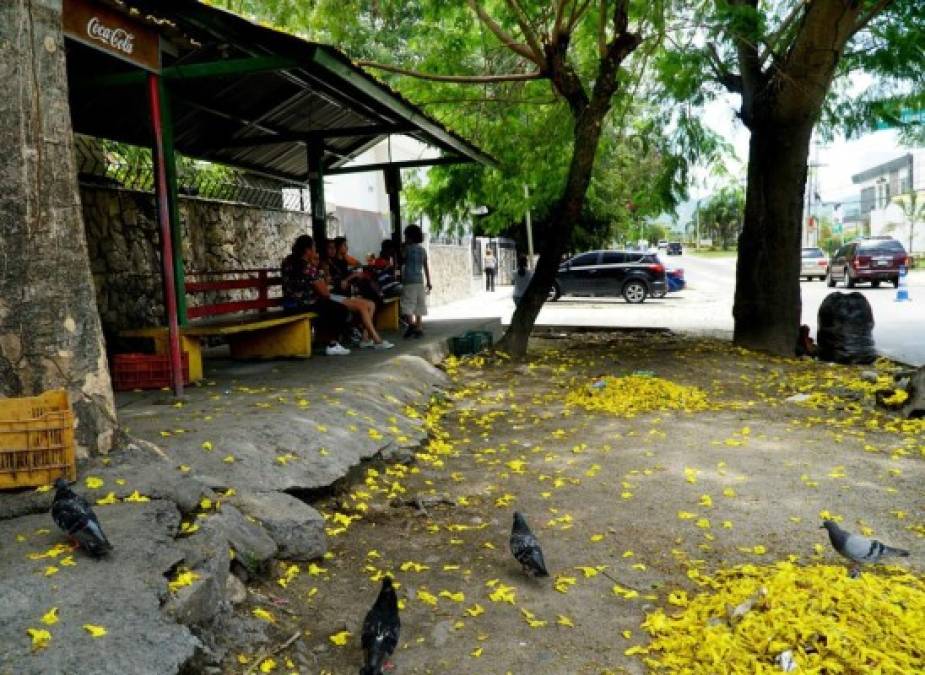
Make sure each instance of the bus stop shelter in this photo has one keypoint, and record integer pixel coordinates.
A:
(185, 77)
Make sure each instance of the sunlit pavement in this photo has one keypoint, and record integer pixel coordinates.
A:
(705, 307)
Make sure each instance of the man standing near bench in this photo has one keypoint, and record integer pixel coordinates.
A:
(304, 289)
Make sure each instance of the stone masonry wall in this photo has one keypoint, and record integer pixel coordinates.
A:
(124, 244)
(123, 239)
(451, 273)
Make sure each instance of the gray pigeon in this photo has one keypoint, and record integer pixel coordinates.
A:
(859, 549)
(73, 515)
(526, 548)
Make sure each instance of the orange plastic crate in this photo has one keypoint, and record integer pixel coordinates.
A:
(36, 440)
(144, 371)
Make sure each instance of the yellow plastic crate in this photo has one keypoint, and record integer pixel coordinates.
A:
(36, 440)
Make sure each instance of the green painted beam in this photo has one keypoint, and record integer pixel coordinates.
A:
(369, 87)
(225, 67)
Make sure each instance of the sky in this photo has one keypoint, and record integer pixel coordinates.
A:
(839, 159)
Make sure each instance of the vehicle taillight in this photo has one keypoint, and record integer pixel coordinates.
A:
(656, 268)
(823, 262)
(862, 261)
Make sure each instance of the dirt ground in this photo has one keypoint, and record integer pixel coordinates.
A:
(628, 510)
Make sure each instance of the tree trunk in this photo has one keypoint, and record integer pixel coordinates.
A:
(767, 295)
(564, 216)
(50, 335)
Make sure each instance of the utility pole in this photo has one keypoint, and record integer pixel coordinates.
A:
(529, 227)
(697, 221)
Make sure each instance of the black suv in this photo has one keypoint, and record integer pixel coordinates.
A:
(632, 274)
(674, 248)
(867, 260)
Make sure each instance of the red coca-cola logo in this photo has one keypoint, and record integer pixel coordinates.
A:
(117, 38)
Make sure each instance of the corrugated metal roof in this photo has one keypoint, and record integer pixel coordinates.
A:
(318, 92)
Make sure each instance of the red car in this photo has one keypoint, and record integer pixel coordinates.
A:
(869, 260)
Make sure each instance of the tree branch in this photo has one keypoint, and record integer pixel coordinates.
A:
(863, 21)
(503, 36)
(462, 79)
(602, 30)
(557, 24)
(578, 11)
(771, 42)
(529, 34)
(749, 62)
(732, 81)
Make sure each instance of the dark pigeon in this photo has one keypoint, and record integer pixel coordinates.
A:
(526, 548)
(380, 629)
(859, 549)
(73, 515)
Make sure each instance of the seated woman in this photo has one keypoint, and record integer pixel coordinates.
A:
(305, 289)
(358, 281)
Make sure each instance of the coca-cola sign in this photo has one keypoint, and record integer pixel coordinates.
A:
(117, 38)
(106, 28)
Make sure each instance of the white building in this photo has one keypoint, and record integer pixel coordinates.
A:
(880, 186)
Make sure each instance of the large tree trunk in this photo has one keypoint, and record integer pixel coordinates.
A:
(50, 333)
(767, 295)
(564, 216)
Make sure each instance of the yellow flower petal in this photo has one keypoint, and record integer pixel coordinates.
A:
(95, 631)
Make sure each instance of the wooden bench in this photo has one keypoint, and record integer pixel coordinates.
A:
(253, 327)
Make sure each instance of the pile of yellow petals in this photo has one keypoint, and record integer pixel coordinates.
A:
(830, 622)
(633, 394)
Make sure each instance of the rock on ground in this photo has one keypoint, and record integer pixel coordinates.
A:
(122, 593)
(296, 527)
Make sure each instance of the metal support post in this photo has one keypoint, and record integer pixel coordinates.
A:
(176, 231)
(163, 213)
(392, 177)
(315, 152)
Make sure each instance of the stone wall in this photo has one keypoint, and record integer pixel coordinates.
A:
(451, 273)
(124, 245)
(123, 239)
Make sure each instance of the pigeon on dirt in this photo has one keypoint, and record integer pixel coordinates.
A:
(380, 629)
(526, 548)
(73, 515)
(859, 549)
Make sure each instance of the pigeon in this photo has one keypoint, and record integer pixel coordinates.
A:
(380, 629)
(526, 548)
(73, 515)
(859, 549)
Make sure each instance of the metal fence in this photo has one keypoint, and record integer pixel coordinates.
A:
(109, 164)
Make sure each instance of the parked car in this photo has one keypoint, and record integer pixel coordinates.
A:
(633, 274)
(662, 245)
(675, 282)
(813, 263)
(873, 260)
(674, 248)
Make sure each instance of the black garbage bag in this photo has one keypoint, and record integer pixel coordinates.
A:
(846, 325)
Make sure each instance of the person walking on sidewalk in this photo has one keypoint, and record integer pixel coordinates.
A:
(413, 275)
(491, 266)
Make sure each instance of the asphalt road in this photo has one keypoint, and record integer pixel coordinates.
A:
(705, 307)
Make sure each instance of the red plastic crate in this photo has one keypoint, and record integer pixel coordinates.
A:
(144, 371)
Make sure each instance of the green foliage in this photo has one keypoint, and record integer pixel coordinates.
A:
(525, 125)
(722, 216)
(889, 50)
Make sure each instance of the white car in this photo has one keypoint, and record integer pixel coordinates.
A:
(813, 263)
(662, 245)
